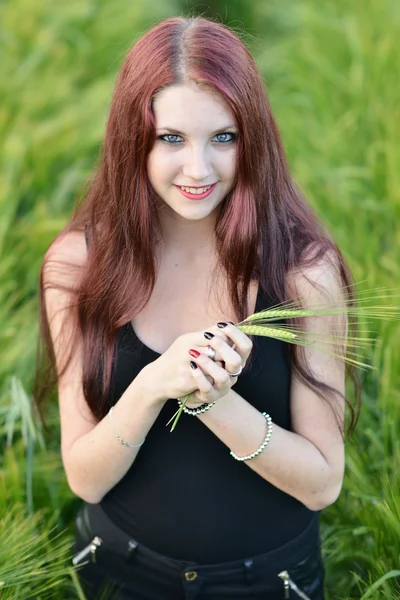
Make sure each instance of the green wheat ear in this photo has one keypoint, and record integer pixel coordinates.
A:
(275, 314)
(268, 332)
(259, 324)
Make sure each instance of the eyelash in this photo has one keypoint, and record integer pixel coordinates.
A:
(166, 135)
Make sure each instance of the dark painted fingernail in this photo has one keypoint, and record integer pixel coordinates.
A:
(208, 335)
(222, 325)
(193, 365)
(231, 323)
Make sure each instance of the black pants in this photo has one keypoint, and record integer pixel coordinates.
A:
(121, 569)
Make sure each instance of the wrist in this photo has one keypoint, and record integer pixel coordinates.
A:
(192, 402)
(149, 386)
(198, 409)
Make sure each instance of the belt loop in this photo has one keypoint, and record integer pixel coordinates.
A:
(248, 571)
(132, 547)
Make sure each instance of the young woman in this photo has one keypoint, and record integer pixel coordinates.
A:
(191, 223)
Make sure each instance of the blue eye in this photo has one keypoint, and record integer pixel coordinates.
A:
(175, 138)
(227, 133)
(168, 135)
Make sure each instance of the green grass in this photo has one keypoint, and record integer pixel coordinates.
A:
(331, 81)
(331, 71)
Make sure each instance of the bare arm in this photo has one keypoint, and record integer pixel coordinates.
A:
(291, 462)
(96, 461)
(308, 462)
(93, 459)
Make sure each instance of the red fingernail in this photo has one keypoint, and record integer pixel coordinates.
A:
(194, 353)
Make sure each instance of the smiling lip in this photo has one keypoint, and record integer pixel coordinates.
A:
(196, 196)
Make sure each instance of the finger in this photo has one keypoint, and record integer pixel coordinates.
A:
(217, 331)
(225, 353)
(222, 380)
(203, 383)
(201, 340)
(243, 344)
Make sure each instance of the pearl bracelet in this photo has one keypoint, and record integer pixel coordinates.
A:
(261, 448)
(121, 441)
(197, 411)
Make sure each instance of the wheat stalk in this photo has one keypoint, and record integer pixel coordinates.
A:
(259, 324)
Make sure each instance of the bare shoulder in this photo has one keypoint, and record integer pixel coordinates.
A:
(63, 265)
(65, 259)
(316, 283)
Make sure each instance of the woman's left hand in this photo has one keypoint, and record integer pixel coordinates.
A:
(232, 349)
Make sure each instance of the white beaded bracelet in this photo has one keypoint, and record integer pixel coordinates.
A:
(196, 411)
(261, 448)
(121, 441)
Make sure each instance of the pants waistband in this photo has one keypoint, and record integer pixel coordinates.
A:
(305, 545)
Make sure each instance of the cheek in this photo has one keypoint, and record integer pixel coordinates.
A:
(228, 165)
(161, 166)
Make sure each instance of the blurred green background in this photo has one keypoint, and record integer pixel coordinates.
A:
(331, 71)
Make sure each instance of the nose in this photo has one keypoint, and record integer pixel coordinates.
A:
(197, 165)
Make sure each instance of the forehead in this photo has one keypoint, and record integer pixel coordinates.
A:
(191, 107)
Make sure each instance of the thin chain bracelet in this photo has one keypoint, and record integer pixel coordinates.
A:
(261, 448)
(197, 411)
(121, 441)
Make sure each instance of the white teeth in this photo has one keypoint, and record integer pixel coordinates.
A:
(195, 190)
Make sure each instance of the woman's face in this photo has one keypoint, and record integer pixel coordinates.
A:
(195, 147)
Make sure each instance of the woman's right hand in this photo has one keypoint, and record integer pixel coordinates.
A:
(171, 374)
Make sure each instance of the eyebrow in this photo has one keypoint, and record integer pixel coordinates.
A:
(171, 130)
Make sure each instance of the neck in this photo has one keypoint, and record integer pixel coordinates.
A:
(192, 240)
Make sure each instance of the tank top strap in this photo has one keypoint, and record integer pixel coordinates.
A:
(264, 300)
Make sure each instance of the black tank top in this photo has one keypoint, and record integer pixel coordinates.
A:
(185, 496)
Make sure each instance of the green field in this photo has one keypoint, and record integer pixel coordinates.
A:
(331, 71)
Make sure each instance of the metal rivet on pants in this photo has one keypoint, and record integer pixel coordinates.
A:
(190, 575)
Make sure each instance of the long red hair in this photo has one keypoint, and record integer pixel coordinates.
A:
(265, 227)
